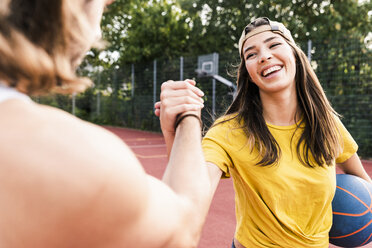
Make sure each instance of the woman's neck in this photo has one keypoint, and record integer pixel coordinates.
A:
(280, 109)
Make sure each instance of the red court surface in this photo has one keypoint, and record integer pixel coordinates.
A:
(220, 224)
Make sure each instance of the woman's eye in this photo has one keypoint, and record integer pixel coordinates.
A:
(274, 45)
(250, 55)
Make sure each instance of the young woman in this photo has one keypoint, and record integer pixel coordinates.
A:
(66, 182)
(279, 140)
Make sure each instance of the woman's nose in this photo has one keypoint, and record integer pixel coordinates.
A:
(265, 55)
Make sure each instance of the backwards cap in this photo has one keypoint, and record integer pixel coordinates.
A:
(275, 27)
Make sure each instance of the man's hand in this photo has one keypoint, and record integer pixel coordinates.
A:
(177, 97)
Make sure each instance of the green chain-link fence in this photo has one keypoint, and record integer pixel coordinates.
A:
(124, 96)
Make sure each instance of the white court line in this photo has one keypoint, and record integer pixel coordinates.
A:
(148, 146)
(151, 156)
(143, 139)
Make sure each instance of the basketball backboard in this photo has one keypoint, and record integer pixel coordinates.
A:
(208, 64)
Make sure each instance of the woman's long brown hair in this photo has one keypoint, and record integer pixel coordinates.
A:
(320, 137)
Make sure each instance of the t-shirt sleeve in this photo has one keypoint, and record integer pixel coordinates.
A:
(214, 148)
(349, 145)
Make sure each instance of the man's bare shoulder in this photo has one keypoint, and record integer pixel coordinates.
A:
(51, 130)
(60, 171)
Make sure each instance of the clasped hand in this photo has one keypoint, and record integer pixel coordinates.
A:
(177, 97)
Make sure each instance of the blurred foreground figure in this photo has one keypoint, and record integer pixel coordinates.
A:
(69, 183)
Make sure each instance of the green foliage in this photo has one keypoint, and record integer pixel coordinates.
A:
(343, 68)
(139, 31)
(217, 25)
(58, 101)
(144, 30)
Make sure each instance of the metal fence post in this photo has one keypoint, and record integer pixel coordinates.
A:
(309, 47)
(115, 93)
(215, 69)
(98, 95)
(132, 80)
(154, 96)
(73, 103)
(181, 68)
(214, 98)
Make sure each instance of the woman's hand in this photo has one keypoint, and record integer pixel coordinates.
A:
(354, 166)
(177, 97)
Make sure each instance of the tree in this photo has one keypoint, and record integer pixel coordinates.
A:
(143, 30)
(139, 31)
(217, 25)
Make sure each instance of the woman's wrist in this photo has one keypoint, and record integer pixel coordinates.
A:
(181, 118)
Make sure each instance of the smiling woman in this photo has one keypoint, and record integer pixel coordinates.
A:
(279, 140)
(270, 63)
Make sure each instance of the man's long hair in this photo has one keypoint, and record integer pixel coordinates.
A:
(41, 42)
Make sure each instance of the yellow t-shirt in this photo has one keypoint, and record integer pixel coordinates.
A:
(283, 205)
